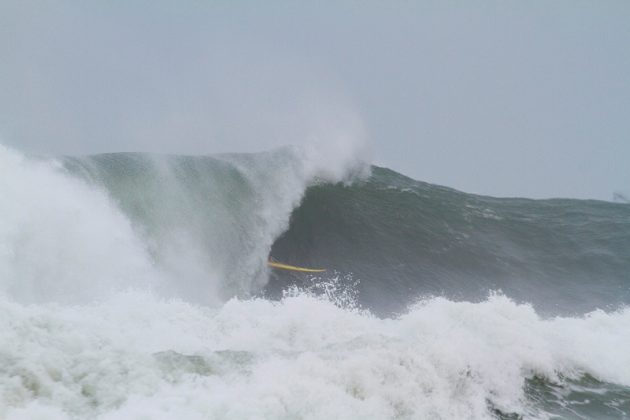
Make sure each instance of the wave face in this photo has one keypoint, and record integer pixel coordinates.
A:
(136, 286)
(404, 239)
(209, 222)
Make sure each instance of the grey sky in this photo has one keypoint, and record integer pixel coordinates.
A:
(528, 98)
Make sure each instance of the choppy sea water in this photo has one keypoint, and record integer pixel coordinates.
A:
(136, 286)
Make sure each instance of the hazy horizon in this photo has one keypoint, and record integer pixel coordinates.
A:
(504, 99)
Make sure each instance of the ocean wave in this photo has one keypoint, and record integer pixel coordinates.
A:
(135, 286)
(305, 357)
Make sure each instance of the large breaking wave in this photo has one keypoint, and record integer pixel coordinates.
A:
(136, 286)
(198, 228)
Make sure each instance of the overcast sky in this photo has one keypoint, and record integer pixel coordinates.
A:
(507, 98)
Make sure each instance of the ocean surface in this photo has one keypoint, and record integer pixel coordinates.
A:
(136, 286)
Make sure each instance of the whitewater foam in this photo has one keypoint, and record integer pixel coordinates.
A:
(61, 240)
(136, 356)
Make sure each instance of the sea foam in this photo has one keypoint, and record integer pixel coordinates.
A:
(135, 356)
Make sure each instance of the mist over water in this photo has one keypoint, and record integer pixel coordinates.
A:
(198, 228)
(63, 240)
(136, 285)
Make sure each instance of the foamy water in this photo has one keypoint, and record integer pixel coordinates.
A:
(94, 325)
(136, 356)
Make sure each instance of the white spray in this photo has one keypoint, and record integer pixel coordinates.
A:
(61, 240)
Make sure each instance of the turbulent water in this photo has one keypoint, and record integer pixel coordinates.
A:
(136, 286)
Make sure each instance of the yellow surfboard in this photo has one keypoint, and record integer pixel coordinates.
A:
(294, 268)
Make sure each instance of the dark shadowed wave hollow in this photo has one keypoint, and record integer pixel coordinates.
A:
(403, 239)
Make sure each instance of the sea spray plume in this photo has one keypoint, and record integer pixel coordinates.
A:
(335, 152)
(341, 155)
(62, 240)
(336, 288)
(201, 227)
(209, 221)
(338, 158)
